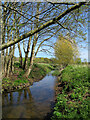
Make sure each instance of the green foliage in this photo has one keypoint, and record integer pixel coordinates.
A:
(44, 60)
(20, 81)
(17, 64)
(21, 73)
(65, 51)
(56, 73)
(7, 80)
(40, 70)
(73, 103)
(17, 80)
(78, 61)
(70, 110)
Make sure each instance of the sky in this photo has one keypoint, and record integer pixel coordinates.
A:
(83, 53)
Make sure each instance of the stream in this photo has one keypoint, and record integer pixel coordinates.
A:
(34, 102)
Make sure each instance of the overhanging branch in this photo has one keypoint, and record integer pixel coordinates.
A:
(53, 21)
(62, 25)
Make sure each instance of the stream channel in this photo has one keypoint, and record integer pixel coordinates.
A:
(35, 102)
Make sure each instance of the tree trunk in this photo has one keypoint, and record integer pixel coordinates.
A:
(8, 38)
(31, 61)
(26, 54)
(13, 49)
(20, 54)
(9, 64)
(12, 60)
(34, 44)
(3, 37)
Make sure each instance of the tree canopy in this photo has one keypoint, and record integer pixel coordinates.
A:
(51, 15)
(31, 27)
(65, 51)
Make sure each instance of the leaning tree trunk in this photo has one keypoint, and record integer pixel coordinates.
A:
(13, 49)
(26, 54)
(7, 50)
(28, 49)
(10, 63)
(3, 37)
(31, 61)
(34, 44)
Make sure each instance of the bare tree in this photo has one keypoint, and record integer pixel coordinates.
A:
(47, 20)
(43, 26)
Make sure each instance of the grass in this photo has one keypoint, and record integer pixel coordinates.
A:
(73, 103)
(56, 73)
(17, 79)
(40, 70)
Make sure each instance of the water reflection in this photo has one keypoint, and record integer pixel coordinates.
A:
(33, 102)
(14, 98)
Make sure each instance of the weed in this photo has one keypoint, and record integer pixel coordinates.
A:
(74, 105)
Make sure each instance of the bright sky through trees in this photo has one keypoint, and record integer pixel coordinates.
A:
(83, 52)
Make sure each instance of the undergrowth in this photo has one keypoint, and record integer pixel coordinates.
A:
(17, 79)
(40, 70)
(56, 73)
(73, 103)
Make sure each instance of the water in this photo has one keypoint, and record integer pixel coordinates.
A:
(35, 102)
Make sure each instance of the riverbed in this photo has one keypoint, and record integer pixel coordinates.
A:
(34, 102)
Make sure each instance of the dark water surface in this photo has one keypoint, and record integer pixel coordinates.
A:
(34, 102)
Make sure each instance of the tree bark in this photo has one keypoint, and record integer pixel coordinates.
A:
(3, 38)
(31, 61)
(20, 54)
(9, 63)
(34, 44)
(12, 61)
(26, 54)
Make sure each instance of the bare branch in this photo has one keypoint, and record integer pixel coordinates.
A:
(62, 26)
(50, 22)
(44, 41)
(65, 3)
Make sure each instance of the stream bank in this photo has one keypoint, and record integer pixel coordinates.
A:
(72, 94)
(17, 81)
(34, 102)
